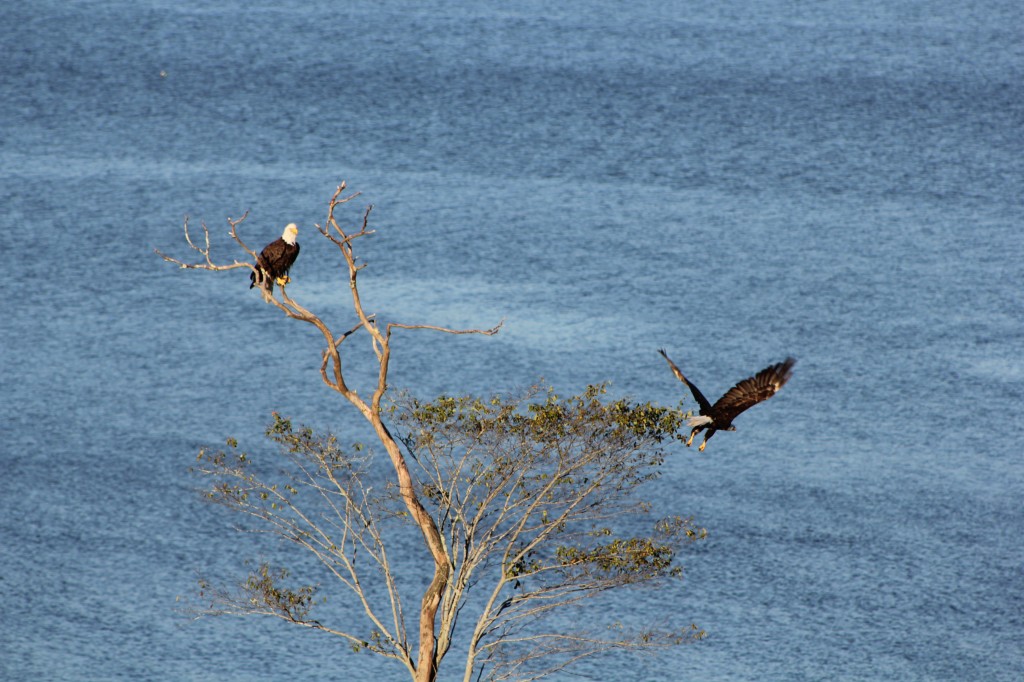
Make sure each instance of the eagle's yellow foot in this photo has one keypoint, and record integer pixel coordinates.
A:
(701, 448)
(690, 442)
(284, 279)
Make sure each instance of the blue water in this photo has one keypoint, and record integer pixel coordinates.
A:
(734, 181)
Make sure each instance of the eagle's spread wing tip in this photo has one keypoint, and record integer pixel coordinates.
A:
(754, 390)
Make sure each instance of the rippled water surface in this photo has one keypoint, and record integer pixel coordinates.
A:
(734, 181)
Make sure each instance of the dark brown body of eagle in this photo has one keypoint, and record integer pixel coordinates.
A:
(742, 396)
(276, 260)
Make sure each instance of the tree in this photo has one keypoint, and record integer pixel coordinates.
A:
(525, 501)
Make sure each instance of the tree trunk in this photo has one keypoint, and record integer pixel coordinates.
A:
(426, 670)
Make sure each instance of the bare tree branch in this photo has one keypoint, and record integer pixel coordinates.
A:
(486, 332)
(207, 262)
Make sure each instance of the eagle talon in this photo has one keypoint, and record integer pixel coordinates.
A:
(284, 279)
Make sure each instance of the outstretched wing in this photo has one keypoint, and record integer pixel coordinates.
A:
(750, 392)
(705, 406)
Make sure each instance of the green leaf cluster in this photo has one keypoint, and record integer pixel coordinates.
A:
(546, 475)
(265, 590)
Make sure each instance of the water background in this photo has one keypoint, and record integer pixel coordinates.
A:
(733, 181)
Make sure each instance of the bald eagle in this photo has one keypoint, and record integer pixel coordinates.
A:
(742, 396)
(276, 259)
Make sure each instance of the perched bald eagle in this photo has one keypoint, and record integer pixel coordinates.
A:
(742, 396)
(276, 259)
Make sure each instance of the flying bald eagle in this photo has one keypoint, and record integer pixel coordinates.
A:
(275, 260)
(742, 396)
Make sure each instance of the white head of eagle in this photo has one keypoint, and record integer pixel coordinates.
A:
(276, 260)
(291, 233)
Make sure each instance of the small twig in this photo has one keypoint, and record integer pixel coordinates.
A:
(234, 233)
(353, 330)
(486, 332)
(188, 237)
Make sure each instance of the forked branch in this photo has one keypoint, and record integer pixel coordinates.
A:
(207, 261)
